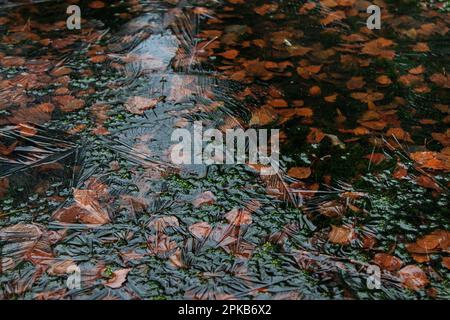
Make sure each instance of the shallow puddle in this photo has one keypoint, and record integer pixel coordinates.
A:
(93, 207)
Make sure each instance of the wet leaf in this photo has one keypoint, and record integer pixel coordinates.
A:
(204, 198)
(341, 235)
(300, 172)
(200, 230)
(138, 105)
(387, 262)
(413, 277)
(118, 278)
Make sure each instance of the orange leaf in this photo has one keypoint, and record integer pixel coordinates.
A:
(96, 4)
(341, 235)
(428, 159)
(375, 158)
(384, 80)
(230, 54)
(356, 83)
(315, 136)
(300, 172)
(446, 262)
(266, 8)
(413, 277)
(387, 262)
(315, 91)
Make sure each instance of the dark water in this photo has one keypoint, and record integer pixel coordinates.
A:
(86, 118)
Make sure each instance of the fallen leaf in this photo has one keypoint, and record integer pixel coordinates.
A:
(118, 278)
(200, 230)
(315, 91)
(413, 277)
(355, 83)
(299, 172)
(384, 80)
(239, 217)
(230, 54)
(446, 262)
(203, 198)
(266, 8)
(96, 4)
(387, 261)
(341, 235)
(138, 105)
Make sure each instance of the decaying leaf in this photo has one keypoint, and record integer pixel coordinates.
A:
(341, 235)
(413, 277)
(118, 278)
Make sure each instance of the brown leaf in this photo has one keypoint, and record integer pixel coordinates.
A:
(278, 103)
(427, 182)
(96, 4)
(299, 172)
(161, 244)
(61, 71)
(400, 171)
(203, 198)
(446, 262)
(420, 258)
(60, 267)
(387, 261)
(118, 279)
(375, 158)
(367, 96)
(429, 241)
(384, 80)
(415, 248)
(262, 117)
(266, 8)
(399, 134)
(87, 209)
(441, 80)
(413, 277)
(356, 83)
(429, 160)
(421, 47)
(315, 91)
(332, 209)
(417, 70)
(230, 54)
(333, 17)
(239, 217)
(160, 224)
(138, 105)
(315, 136)
(341, 235)
(7, 150)
(68, 103)
(24, 242)
(200, 230)
(378, 47)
